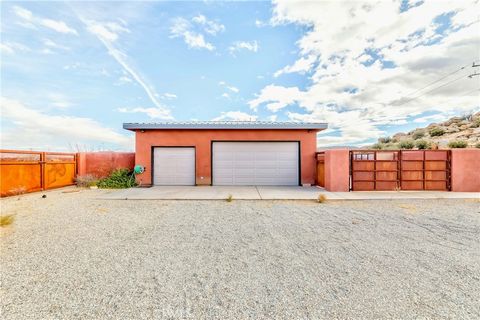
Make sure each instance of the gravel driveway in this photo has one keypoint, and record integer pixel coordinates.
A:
(70, 256)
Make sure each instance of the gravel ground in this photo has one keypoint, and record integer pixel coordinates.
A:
(70, 256)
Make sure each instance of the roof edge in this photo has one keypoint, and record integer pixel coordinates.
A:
(241, 125)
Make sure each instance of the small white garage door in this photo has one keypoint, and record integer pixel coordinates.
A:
(174, 166)
(255, 163)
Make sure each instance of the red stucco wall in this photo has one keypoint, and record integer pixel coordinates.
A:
(466, 170)
(337, 170)
(101, 164)
(201, 140)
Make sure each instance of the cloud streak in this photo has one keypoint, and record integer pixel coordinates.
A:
(31, 21)
(108, 33)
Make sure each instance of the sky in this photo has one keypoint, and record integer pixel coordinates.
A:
(73, 72)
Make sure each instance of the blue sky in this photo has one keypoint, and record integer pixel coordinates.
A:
(72, 73)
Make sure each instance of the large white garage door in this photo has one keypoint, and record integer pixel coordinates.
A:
(174, 166)
(255, 163)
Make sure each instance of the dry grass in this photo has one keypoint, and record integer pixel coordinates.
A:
(321, 198)
(408, 207)
(229, 198)
(86, 181)
(6, 220)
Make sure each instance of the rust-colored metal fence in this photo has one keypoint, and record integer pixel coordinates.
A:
(400, 170)
(28, 171)
(321, 169)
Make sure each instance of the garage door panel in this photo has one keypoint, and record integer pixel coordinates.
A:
(255, 163)
(174, 166)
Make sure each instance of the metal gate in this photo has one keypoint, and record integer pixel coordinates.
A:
(28, 171)
(400, 170)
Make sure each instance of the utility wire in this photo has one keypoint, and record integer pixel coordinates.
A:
(436, 81)
(436, 88)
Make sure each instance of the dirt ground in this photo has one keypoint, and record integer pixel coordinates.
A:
(71, 256)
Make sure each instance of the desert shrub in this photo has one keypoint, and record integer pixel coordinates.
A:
(422, 144)
(88, 180)
(476, 123)
(229, 198)
(418, 134)
(118, 179)
(384, 140)
(6, 220)
(378, 146)
(477, 145)
(457, 144)
(406, 144)
(321, 198)
(436, 132)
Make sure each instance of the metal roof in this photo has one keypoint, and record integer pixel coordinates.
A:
(226, 125)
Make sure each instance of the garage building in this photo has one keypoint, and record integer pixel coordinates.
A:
(226, 152)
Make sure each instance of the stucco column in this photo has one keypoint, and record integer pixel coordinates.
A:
(81, 163)
(466, 170)
(337, 170)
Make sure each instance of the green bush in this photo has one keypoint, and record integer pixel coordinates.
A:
(422, 144)
(418, 134)
(477, 145)
(406, 144)
(384, 140)
(457, 144)
(377, 146)
(118, 179)
(436, 132)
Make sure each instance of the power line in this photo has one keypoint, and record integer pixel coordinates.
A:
(443, 85)
(436, 81)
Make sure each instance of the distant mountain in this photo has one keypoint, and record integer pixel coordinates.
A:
(456, 132)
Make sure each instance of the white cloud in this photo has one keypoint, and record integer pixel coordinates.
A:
(431, 118)
(229, 87)
(243, 45)
(54, 45)
(276, 97)
(22, 13)
(58, 26)
(235, 116)
(169, 96)
(358, 95)
(30, 21)
(154, 113)
(182, 28)
(58, 100)
(302, 65)
(124, 80)
(40, 129)
(210, 26)
(13, 47)
(273, 117)
(108, 34)
(260, 23)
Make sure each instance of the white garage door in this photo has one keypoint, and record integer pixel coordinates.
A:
(255, 163)
(174, 166)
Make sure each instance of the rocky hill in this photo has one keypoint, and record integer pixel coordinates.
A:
(457, 132)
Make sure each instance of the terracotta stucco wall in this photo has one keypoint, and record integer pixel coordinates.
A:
(101, 164)
(466, 170)
(201, 140)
